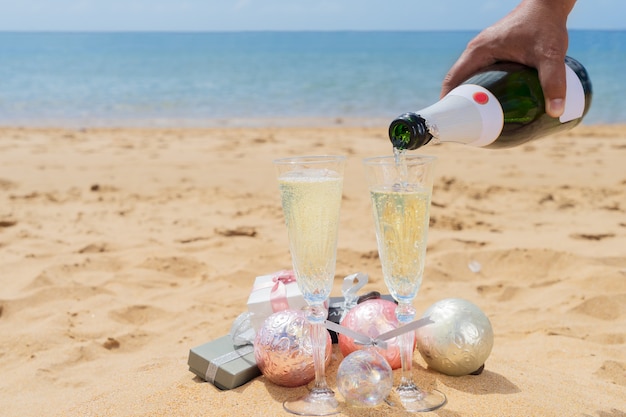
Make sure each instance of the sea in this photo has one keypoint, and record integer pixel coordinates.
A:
(202, 79)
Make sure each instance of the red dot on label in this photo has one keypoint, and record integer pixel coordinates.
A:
(481, 97)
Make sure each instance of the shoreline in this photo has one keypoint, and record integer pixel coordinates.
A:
(252, 123)
(303, 122)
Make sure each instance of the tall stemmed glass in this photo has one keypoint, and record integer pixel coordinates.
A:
(310, 188)
(400, 188)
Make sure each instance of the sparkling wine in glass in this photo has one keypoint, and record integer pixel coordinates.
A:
(311, 188)
(400, 188)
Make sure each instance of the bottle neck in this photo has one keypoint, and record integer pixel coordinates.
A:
(409, 131)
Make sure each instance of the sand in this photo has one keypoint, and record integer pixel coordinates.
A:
(121, 249)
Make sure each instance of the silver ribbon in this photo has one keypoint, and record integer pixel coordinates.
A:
(378, 341)
(241, 331)
(214, 365)
(351, 286)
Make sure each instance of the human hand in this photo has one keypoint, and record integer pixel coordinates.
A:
(533, 34)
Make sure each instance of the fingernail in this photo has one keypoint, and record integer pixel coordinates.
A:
(556, 107)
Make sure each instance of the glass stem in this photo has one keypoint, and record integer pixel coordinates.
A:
(405, 314)
(316, 316)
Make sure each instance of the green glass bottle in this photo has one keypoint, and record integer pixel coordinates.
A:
(500, 106)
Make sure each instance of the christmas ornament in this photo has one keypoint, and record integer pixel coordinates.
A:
(283, 351)
(372, 318)
(364, 378)
(458, 341)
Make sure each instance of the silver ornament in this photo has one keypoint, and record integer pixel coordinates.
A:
(460, 339)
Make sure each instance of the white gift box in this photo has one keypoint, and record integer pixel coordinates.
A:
(271, 293)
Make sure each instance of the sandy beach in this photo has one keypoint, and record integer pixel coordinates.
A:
(121, 249)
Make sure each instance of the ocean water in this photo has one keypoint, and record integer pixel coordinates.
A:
(246, 78)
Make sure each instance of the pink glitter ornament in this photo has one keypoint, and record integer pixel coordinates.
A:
(283, 351)
(372, 318)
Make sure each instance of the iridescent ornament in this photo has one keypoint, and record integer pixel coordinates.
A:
(283, 351)
(364, 378)
(460, 339)
(372, 318)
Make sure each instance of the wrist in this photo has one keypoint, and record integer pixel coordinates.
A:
(558, 9)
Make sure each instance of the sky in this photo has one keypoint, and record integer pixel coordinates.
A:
(242, 15)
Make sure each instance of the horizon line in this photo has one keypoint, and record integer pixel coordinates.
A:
(192, 31)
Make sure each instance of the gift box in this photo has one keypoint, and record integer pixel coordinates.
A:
(272, 293)
(336, 308)
(224, 365)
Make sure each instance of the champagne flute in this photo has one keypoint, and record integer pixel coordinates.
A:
(310, 188)
(400, 188)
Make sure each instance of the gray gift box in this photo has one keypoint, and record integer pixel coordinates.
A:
(224, 365)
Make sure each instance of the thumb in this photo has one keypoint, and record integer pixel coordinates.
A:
(552, 79)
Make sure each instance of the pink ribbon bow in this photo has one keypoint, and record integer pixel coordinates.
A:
(278, 293)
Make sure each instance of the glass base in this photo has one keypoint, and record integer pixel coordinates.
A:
(414, 400)
(318, 403)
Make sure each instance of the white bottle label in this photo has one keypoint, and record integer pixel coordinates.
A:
(574, 97)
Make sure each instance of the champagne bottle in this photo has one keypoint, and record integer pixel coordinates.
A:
(500, 106)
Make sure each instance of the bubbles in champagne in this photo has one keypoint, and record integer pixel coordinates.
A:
(310, 174)
(401, 219)
(311, 200)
